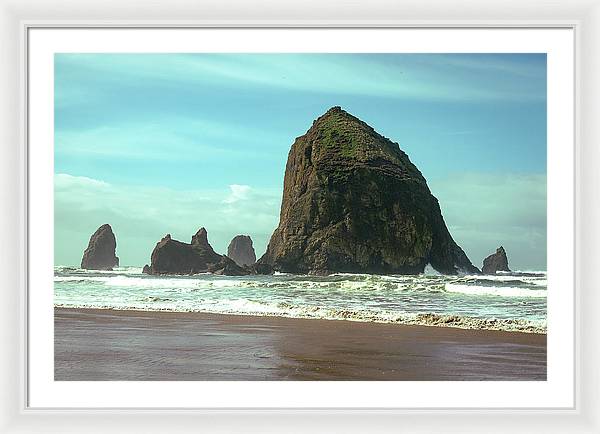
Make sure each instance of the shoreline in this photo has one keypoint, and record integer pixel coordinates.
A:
(435, 320)
(108, 344)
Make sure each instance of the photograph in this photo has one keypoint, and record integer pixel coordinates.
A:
(300, 216)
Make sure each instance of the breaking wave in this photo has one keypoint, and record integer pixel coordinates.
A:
(515, 302)
(503, 291)
(469, 285)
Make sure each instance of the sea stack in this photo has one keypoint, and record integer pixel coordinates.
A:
(353, 202)
(175, 257)
(100, 252)
(495, 262)
(241, 250)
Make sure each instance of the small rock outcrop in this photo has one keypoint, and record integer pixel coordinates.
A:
(175, 257)
(227, 267)
(100, 252)
(495, 262)
(241, 250)
(262, 268)
(354, 202)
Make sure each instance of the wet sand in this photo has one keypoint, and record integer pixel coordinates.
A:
(132, 345)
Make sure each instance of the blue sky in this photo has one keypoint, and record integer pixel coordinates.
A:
(167, 143)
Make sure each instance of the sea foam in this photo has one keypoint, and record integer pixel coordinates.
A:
(503, 291)
(502, 302)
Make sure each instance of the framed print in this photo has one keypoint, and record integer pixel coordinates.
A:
(373, 238)
(274, 219)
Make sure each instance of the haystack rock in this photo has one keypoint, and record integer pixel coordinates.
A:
(100, 252)
(353, 202)
(175, 257)
(496, 262)
(241, 250)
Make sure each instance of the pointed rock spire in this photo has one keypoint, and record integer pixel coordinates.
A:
(241, 250)
(100, 252)
(496, 262)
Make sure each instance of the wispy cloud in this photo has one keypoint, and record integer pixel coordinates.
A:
(140, 216)
(462, 133)
(237, 193)
(484, 211)
(82, 183)
(508, 64)
(360, 75)
(164, 139)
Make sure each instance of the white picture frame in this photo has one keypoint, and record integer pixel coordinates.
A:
(16, 19)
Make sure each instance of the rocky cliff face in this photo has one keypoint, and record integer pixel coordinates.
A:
(175, 257)
(241, 250)
(353, 202)
(496, 262)
(100, 252)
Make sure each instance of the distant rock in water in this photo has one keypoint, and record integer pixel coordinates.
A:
(353, 202)
(100, 252)
(227, 267)
(146, 269)
(175, 257)
(496, 262)
(241, 250)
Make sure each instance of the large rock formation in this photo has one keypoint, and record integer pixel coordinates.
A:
(100, 252)
(174, 257)
(496, 262)
(241, 250)
(353, 202)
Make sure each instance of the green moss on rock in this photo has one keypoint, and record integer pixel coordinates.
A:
(354, 202)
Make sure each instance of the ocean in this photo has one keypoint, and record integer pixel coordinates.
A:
(510, 301)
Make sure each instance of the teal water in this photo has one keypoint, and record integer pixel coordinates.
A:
(511, 301)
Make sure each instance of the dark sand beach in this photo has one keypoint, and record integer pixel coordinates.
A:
(137, 345)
